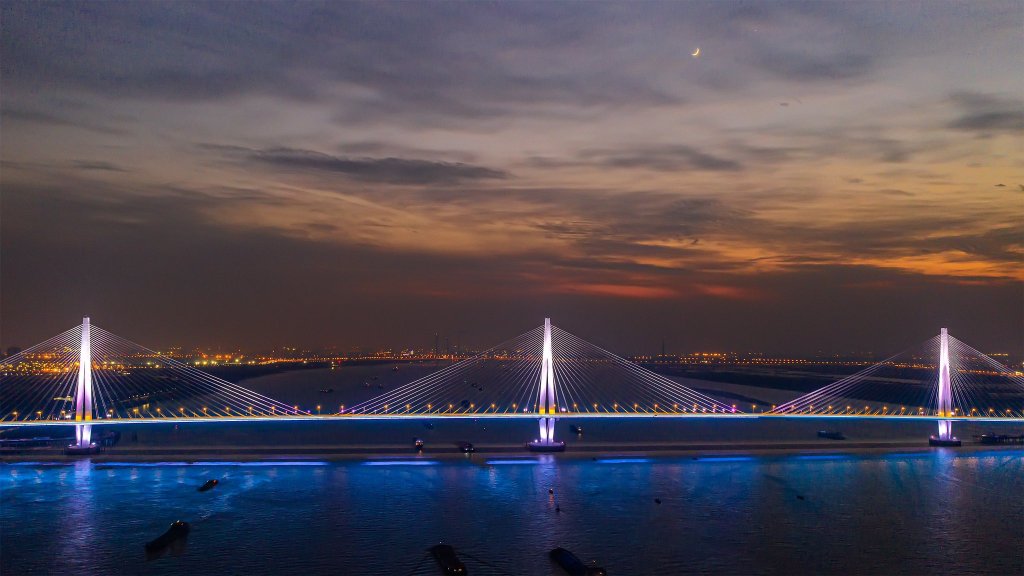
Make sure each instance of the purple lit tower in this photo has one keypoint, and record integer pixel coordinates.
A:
(83, 392)
(546, 406)
(945, 396)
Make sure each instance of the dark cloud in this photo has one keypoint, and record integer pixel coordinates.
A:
(390, 170)
(14, 114)
(668, 158)
(99, 166)
(801, 67)
(988, 114)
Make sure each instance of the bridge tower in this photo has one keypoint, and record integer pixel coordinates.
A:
(83, 393)
(546, 406)
(945, 396)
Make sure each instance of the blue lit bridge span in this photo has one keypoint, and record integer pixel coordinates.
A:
(88, 376)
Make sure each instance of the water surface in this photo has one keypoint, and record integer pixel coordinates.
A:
(927, 513)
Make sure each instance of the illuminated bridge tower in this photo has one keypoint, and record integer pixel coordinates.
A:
(83, 396)
(945, 396)
(546, 406)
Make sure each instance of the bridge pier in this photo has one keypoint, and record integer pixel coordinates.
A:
(945, 396)
(546, 402)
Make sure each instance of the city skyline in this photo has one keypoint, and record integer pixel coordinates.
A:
(817, 177)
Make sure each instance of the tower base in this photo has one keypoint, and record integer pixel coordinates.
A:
(936, 441)
(546, 446)
(83, 450)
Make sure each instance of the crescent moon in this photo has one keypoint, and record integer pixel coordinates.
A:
(695, 53)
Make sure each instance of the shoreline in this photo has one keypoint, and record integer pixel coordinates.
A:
(197, 454)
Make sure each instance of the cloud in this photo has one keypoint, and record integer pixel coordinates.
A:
(987, 114)
(667, 158)
(800, 67)
(99, 166)
(402, 171)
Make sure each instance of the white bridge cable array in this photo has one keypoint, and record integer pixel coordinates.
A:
(501, 379)
(129, 381)
(589, 378)
(505, 379)
(906, 384)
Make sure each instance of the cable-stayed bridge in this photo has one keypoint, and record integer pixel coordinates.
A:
(88, 376)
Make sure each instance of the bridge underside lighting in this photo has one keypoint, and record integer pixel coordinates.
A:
(623, 460)
(511, 462)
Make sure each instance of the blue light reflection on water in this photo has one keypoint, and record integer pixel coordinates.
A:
(241, 463)
(401, 463)
(925, 512)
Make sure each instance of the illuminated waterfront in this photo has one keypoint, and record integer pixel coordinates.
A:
(801, 513)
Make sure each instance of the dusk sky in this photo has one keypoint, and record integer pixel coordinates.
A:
(819, 176)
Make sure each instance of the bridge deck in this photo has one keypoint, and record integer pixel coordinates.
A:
(574, 415)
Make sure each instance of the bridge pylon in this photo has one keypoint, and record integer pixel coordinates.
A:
(944, 399)
(83, 395)
(546, 403)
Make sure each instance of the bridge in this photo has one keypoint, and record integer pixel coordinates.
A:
(88, 376)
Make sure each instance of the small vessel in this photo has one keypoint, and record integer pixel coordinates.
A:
(578, 430)
(418, 443)
(178, 530)
(573, 565)
(466, 447)
(831, 434)
(326, 390)
(395, 369)
(993, 438)
(447, 559)
(209, 485)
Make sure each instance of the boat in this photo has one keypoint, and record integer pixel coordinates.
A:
(395, 369)
(418, 443)
(447, 559)
(573, 565)
(578, 430)
(466, 447)
(831, 434)
(993, 438)
(178, 530)
(326, 390)
(209, 485)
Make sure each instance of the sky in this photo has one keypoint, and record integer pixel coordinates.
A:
(824, 176)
